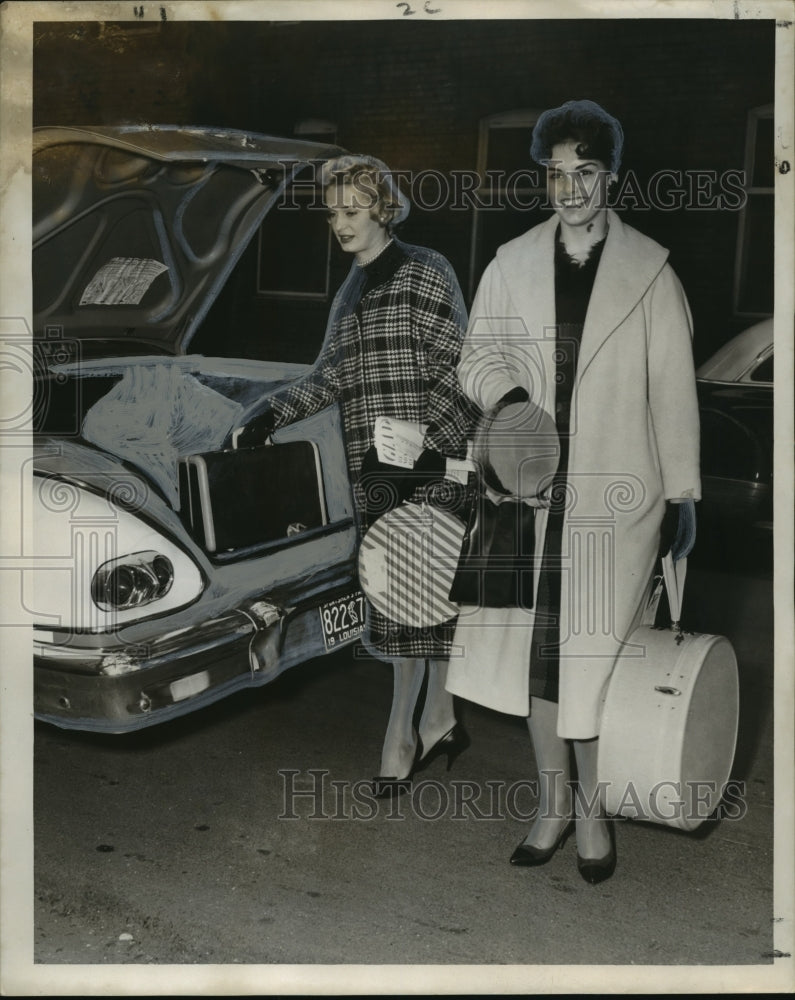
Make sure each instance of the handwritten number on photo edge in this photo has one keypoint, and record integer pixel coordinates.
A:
(409, 10)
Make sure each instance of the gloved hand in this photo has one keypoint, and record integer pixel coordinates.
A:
(678, 529)
(517, 395)
(382, 486)
(257, 431)
(428, 467)
(429, 474)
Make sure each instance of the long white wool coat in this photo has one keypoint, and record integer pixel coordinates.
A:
(634, 444)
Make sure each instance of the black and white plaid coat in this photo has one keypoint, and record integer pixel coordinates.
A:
(392, 345)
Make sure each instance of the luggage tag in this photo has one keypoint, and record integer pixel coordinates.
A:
(650, 612)
(459, 469)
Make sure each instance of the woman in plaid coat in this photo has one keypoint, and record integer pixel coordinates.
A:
(392, 345)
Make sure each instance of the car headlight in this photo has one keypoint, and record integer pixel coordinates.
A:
(132, 581)
(101, 561)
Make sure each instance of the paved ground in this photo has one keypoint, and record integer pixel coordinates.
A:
(172, 846)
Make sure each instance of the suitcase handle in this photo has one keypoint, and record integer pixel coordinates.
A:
(673, 579)
(239, 430)
(674, 574)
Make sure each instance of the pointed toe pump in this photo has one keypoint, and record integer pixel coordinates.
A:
(596, 870)
(451, 745)
(527, 856)
(388, 787)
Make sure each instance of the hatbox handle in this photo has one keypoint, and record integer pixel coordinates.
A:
(674, 574)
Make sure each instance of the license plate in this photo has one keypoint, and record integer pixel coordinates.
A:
(343, 619)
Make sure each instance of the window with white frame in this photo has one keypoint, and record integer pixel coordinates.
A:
(753, 275)
(295, 238)
(511, 186)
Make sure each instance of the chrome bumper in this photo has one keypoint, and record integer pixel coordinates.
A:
(95, 685)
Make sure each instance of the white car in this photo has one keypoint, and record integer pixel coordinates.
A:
(144, 608)
(735, 391)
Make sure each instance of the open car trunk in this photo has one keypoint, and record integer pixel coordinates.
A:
(169, 419)
(135, 231)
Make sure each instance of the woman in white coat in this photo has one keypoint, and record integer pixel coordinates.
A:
(584, 316)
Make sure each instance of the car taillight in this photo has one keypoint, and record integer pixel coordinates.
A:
(97, 563)
(132, 581)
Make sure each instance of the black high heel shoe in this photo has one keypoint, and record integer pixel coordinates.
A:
(390, 787)
(452, 745)
(528, 856)
(596, 870)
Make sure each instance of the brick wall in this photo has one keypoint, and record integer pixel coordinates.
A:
(413, 92)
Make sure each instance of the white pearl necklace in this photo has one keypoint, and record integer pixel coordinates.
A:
(375, 256)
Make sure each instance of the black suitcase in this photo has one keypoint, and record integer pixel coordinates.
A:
(239, 500)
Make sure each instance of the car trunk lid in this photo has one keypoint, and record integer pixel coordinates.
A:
(136, 228)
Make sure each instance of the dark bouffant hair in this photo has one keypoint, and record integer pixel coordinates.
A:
(598, 135)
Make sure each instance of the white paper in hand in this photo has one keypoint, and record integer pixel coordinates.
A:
(398, 442)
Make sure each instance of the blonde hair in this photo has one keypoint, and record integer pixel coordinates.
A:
(372, 177)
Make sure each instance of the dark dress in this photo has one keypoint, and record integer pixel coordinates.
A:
(573, 285)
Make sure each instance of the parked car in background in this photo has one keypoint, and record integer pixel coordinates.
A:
(143, 610)
(735, 391)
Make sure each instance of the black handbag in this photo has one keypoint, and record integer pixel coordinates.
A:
(496, 565)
